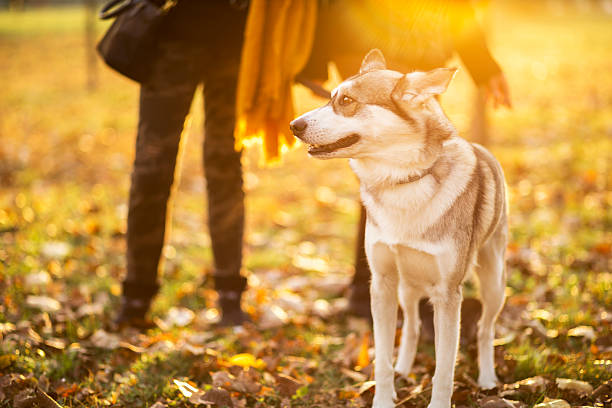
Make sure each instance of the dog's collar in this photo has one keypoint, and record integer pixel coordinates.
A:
(412, 179)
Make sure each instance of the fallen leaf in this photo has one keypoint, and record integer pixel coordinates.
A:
(582, 331)
(185, 388)
(55, 249)
(287, 385)
(354, 375)
(7, 360)
(272, 317)
(576, 386)
(246, 360)
(603, 391)
(531, 385)
(222, 379)
(44, 303)
(179, 316)
(554, 403)
(245, 383)
(34, 398)
(241, 383)
(366, 386)
(321, 308)
(56, 343)
(198, 398)
(497, 402)
(363, 359)
(105, 340)
(36, 280)
(64, 390)
(214, 396)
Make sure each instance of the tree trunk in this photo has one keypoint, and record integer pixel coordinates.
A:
(91, 60)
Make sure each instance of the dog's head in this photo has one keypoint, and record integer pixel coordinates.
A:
(380, 114)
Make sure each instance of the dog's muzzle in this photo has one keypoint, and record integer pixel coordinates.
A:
(298, 127)
(347, 141)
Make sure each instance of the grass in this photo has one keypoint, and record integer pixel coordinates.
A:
(65, 159)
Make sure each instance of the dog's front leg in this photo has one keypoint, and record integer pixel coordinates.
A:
(409, 301)
(447, 313)
(383, 295)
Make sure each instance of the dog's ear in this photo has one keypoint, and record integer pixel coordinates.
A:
(436, 81)
(374, 60)
(419, 86)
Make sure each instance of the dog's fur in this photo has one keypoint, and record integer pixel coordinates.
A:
(436, 208)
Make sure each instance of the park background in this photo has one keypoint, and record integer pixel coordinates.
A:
(67, 133)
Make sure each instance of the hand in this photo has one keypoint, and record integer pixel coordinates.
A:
(496, 90)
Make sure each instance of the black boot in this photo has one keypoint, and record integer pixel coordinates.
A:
(230, 290)
(135, 303)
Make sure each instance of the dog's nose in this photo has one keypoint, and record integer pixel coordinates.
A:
(298, 126)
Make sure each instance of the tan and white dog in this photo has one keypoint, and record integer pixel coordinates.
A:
(436, 208)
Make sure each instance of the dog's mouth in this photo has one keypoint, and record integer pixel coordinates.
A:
(338, 144)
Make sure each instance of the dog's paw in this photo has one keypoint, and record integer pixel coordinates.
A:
(439, 405)
(383, 403)
(403, 368)
(487, 382)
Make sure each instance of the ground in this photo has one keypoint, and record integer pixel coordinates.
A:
(65, 158)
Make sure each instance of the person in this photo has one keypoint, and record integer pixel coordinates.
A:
(413, 35)
(199, 42)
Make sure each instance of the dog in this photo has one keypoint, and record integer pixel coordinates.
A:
(436, 209)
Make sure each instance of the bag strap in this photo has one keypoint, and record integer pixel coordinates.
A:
(113, 8)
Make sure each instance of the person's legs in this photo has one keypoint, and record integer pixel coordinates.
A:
(164, 104)
(224, 185)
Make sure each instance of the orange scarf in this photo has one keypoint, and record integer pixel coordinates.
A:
(277, 44)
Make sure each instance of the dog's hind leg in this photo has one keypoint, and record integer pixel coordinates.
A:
(491, 274)
(447, 313)
(383, 294)
(409, 301)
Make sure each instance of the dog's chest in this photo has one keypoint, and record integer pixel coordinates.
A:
(403, 214)
(423, 265)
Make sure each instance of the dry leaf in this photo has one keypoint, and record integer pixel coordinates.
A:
(287, 385)
(555, 403)
(366, 386)
(214, 396)
(179, 316)
(354, 375)
(582, 331)
(37, 280)
(55, 249)
(576, 386)
(531, 385)
(44, 303)
(363, 359)
(272, 317)
(497, 402)
(105, 340)
(90, 309)
(246, 360)
(185, 388)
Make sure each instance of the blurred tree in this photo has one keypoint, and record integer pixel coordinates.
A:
(17, 5)
(90, 40)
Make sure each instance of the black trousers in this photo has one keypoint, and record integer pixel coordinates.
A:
(165, 101)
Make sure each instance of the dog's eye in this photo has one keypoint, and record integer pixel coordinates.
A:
(346, 100)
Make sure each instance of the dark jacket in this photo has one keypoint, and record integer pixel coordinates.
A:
(422, 35)
(197, 21)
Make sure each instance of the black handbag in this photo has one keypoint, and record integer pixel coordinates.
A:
(130, 44)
